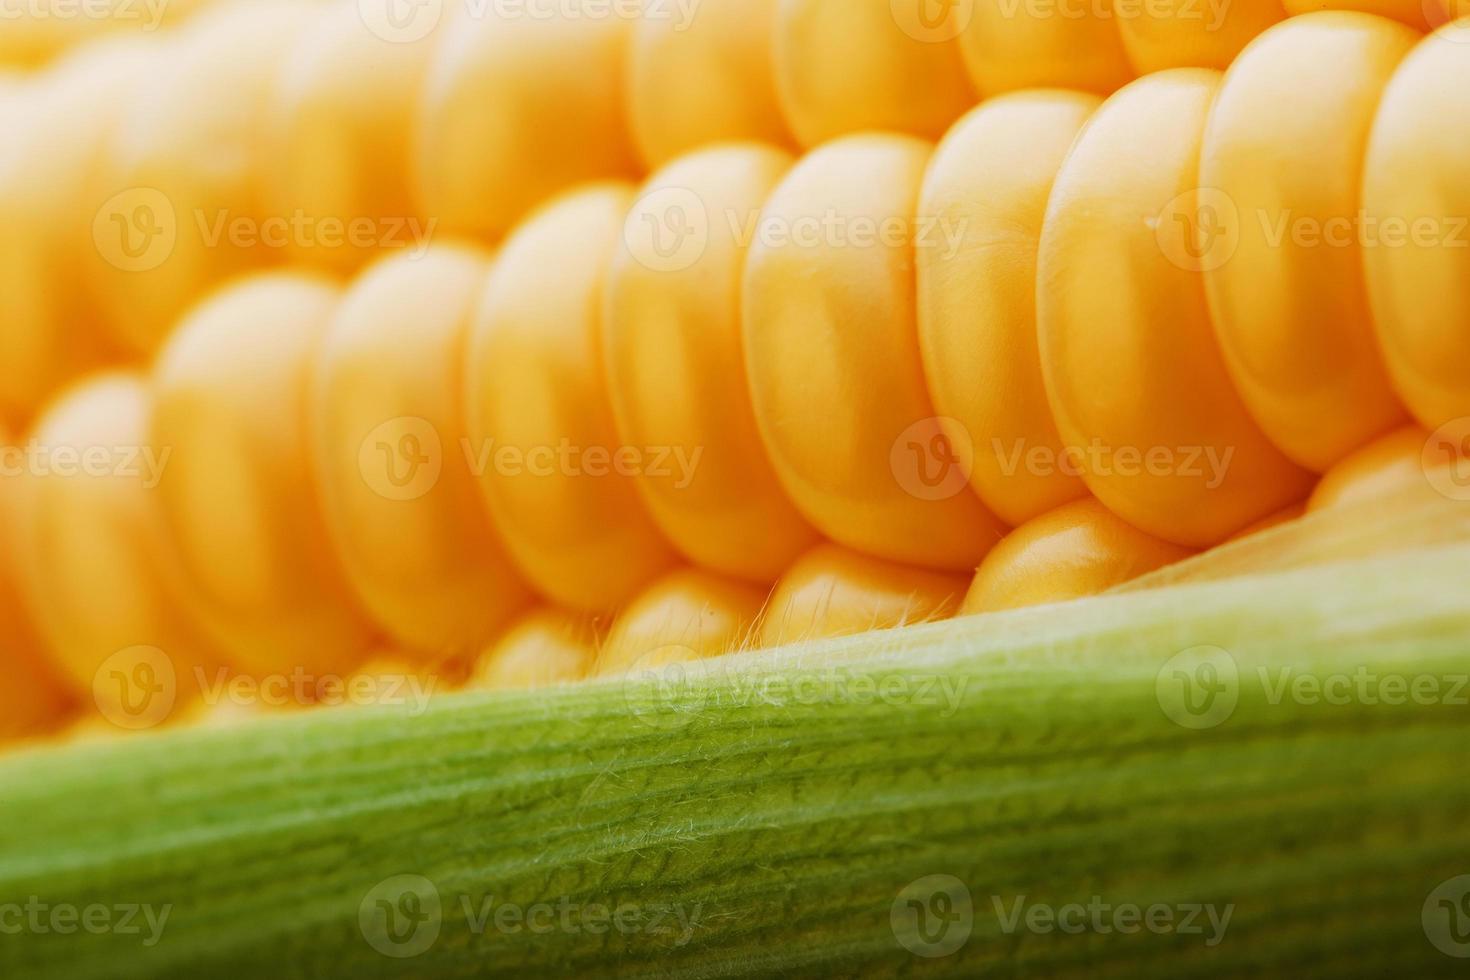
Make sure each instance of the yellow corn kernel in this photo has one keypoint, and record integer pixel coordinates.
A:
(517, 107)
(1035, 44)
(832, 351)
(1163, 34)
(1283, 268)
(1133, 371)
(686, 615)
(561, 490)
(832, 592)
(705, 81)
(676, 369)
(92, 555)
(845, 66)
(1414, 13)
(177, 196)
(239, 490)
(32, 697)
(55, 130)
(1375, 471)
(545, 647)
(1415, 190)
(391, 455)
(990, 179)
(1080, 549)
(339, 123)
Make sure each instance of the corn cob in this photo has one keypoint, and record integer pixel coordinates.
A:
(942, 188)
(555, 352)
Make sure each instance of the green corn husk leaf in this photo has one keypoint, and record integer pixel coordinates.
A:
(1419, 515)
(778, 813)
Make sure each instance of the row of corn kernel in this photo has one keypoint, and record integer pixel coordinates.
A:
(832, 381)
(703, 67)
(279, 408)
(210, 544)
(1308, 310)
(1094, 298)
(559, 250)
(147, 169)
